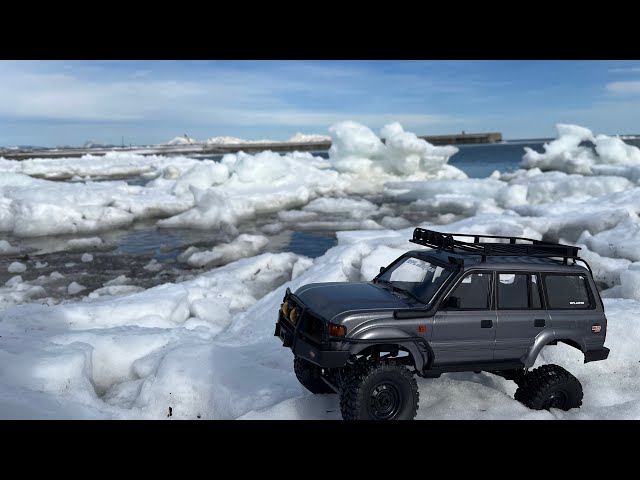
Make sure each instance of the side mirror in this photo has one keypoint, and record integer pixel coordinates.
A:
(381, 269)
(451, 302)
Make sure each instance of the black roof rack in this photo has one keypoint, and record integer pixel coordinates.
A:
(513, 246)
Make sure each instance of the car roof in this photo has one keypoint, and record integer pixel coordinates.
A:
(497, 262)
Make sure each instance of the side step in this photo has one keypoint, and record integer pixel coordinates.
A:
(436, 370)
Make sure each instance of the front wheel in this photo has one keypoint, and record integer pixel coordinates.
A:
(383, 391)
(549, 386)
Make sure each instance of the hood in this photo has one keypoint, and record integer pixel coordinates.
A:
(331, 299)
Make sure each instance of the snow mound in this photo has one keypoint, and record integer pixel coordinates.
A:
(135, 356)
(407, 154)
(569, 154)
(355, 149)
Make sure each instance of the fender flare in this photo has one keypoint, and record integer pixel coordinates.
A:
(547, 336)
(418, 347)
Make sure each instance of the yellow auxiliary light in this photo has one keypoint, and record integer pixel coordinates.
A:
(293, 316)
(285, 308)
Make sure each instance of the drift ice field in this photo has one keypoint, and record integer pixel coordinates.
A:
(203, 345)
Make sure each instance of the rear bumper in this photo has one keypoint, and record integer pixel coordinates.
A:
(307, 351)
(596, 355)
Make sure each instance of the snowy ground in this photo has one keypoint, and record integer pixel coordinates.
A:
(204, 347)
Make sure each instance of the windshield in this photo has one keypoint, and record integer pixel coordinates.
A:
(417, 277)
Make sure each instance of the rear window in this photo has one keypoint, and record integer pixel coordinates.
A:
(567, 291)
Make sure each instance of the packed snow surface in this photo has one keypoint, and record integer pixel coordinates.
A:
(205, 348)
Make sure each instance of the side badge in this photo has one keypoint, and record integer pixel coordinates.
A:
(596, 328)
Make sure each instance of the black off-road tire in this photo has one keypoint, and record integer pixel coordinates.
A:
(382, 391)
(308, 375)
(549, 386)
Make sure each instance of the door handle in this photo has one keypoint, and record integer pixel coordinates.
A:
(486, 323)
(539, 322)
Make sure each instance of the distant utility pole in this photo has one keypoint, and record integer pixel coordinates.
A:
(123, 141)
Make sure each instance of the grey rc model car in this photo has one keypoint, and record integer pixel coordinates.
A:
(486, 304)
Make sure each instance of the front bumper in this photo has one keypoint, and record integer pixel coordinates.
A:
(307, 351)
(596, 355)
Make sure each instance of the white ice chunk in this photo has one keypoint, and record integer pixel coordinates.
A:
(17, 267)
(153, 266)
(568, 153)
(5, 247)
(91, 242)
(74, 288)
(244, 245)
(119, 280)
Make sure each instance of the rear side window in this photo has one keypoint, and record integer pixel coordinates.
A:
(567, 291)
(518, 291)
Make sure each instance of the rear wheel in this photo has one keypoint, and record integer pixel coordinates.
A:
(309, 375)
(549, 386)
(385, 391)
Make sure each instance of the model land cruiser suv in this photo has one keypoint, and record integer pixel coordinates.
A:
(489, 305)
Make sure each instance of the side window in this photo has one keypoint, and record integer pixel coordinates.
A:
(518, 291)
(567, 291)
(473, 292)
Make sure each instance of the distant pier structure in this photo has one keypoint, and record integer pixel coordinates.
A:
(464, 138)
(204, 149)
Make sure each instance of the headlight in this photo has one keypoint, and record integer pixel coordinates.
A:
(285, 308)
(337, 330)
(293, 315)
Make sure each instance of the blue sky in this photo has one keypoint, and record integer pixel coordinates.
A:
(69, 102)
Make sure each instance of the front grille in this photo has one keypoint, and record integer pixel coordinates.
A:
(307, 325)
(313, 326)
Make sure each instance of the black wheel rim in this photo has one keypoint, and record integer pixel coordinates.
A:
(384, 402)
(557, 399)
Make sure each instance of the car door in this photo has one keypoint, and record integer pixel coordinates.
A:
(464, 327)
(521, 314)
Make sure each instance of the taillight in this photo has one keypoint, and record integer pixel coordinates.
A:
(337, 330)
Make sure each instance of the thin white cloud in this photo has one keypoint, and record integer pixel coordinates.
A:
(294, 117)
(625, 70)
(228, 97)
(624, 88)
